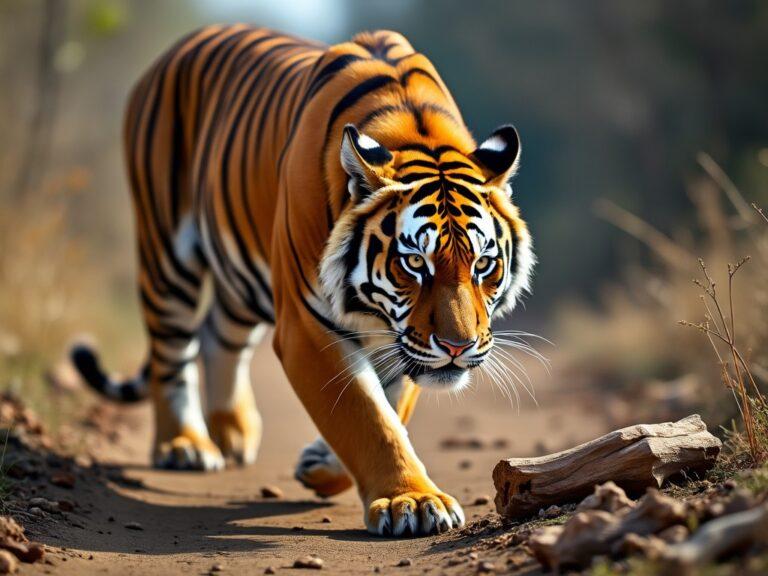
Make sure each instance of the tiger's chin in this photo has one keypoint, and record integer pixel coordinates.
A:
(450, 377)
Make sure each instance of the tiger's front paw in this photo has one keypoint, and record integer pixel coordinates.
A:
(319, 470)
(414, 513)
(188, 451)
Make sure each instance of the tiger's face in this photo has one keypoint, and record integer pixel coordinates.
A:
(430, 252)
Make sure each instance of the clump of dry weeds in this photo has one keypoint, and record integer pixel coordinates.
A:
(634, 344)
(719, 326)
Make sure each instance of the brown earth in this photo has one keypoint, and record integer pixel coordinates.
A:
(193, 523)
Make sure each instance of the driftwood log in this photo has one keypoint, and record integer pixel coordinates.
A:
(634, 458)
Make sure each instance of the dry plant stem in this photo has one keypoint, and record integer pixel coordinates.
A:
(634, 458)
(717, 174)
(667, 250)
(760, 211)
(721, 331)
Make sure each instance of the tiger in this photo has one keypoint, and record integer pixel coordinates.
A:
(334, 194)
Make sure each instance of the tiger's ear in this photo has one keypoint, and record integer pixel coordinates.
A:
(499, 155)
(365, 160)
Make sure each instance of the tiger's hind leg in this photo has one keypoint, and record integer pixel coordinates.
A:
(320, 470)
(229, 336)
(171, 315)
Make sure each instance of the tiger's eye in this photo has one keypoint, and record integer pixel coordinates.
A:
(482, 264)
(415, 261)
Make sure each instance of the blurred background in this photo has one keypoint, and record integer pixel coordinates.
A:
(645, 140)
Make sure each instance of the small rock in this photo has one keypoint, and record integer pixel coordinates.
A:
(552, 512)
(35, 511)
(309, 562)
(457, 443)
(326, 520)
(217, 568)
(271, 492)
(674, 534)
(66, 505)
(455, 561)
(405, 562)
(482, 500)
(44, 504)
(472, 555)
(133, 526)
(63, 480)
(297, 528)
(485, 567)
(465, 464)
(84, 461)
(8, 562)
(269, 570)
(500, 443)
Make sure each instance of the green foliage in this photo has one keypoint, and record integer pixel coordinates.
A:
(106, 17)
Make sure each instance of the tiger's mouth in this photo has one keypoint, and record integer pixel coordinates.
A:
(448, 377)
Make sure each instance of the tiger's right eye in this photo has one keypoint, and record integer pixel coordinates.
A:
(415, 261)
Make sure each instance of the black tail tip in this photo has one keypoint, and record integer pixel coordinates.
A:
(87, 363)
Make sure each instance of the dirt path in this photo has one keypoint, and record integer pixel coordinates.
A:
(191, 522)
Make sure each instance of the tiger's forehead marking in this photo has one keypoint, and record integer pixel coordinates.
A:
(444, 211)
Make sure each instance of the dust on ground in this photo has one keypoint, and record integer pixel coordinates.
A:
(119, 516)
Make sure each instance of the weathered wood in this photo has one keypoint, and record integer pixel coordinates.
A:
(716, 539)
(634, 458)
(593, 531)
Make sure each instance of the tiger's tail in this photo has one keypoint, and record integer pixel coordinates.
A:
(86, 360)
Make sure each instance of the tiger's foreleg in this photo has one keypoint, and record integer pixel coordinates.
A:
(320, 470)
(229, 335)
(363, 429)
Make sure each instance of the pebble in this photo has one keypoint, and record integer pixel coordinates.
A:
(405, 562)
(217, 568)
(44, 504)
(326, 520)
(309, 562)
(552, 512)
(465, 464)
(133, 526)
(482, 500)
(63, 480)
(269, 570)
(271, 492)
(485, 567)
(8, 562)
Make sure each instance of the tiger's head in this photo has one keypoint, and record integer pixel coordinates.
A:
(430, 250)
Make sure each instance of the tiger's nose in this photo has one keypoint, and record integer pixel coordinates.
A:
(455, 349)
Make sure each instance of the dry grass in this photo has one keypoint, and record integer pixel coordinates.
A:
(634, 343)
(719, 326)
(50, 290)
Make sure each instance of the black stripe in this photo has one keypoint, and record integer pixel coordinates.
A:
(322, 78)
(353, 97)
(421, 72)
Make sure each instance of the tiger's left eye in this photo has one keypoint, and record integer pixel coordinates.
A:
(482, 264)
